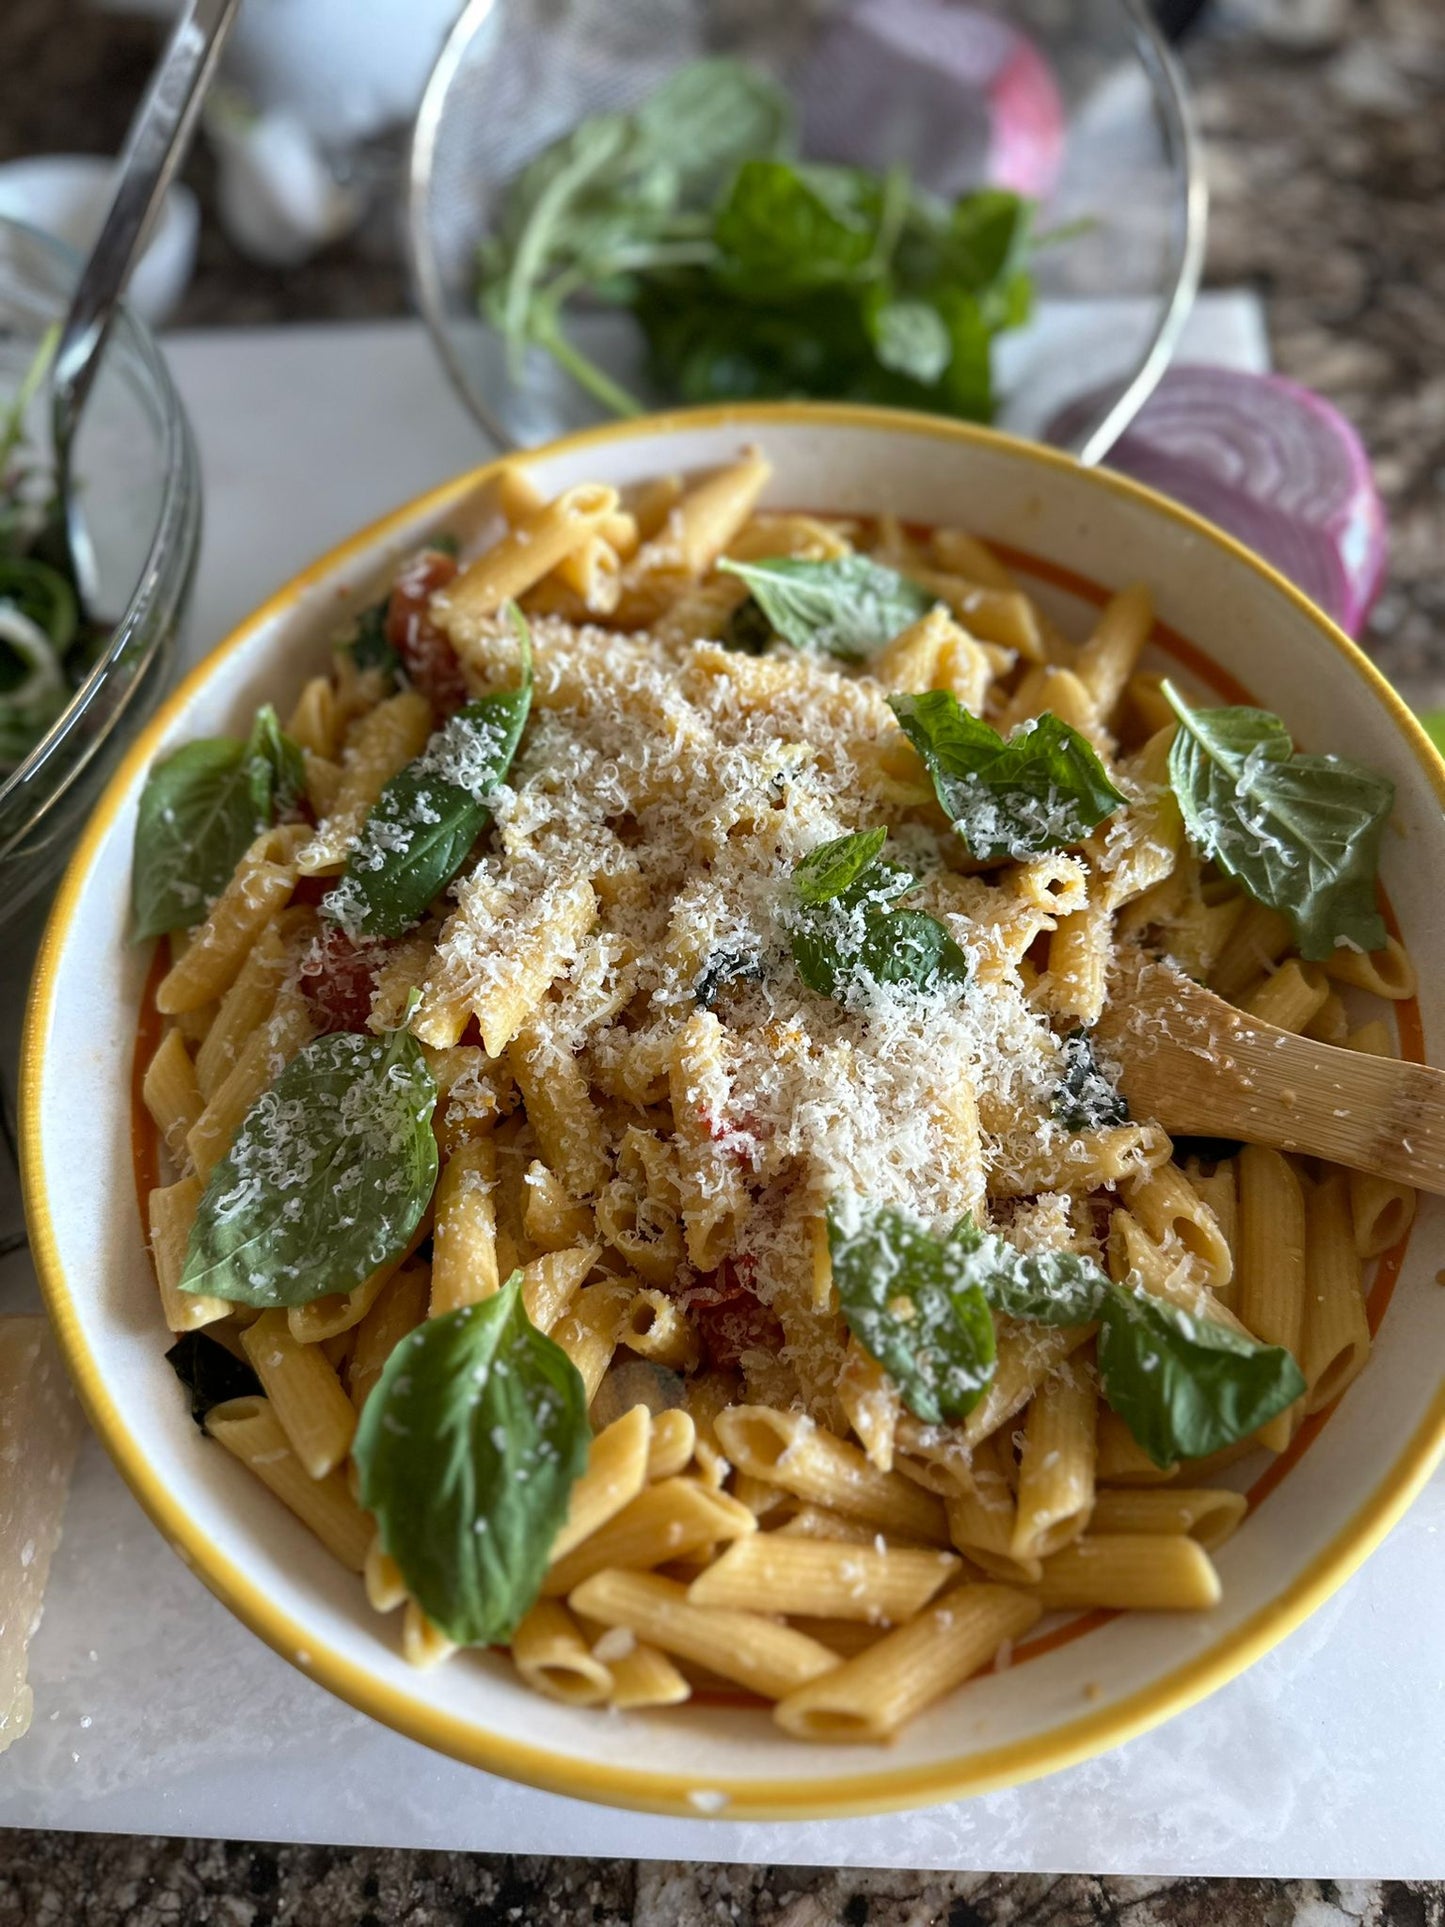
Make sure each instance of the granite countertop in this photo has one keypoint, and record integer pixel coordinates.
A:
(1327, 165)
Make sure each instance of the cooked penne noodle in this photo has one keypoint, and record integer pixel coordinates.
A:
(171, 1211)
(1207, 1516)
(755, 1651)
(250, 1430)
(1336, 1341)
(832, 1579)
(1381, 1212)
(305, 1394)
(791, 1451)
(552, 1656)
(1056, 1465)
(1141, 1572)
(171, 1093)
(1272, 1261)
(616, 1473)
(871, 1696)
(665, 1522)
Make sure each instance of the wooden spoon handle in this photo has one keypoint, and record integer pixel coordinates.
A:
(1203, 1068)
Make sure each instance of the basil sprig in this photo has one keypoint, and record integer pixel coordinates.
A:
(328, 1178)
(1302, 834)
(468, 1448)
(849, 607)
(1043, 788)
(1085, 1099)
(1185, 1386)
(845, 928)
(199, 809)
(421, 828)
(368, 646)
(909, 1300)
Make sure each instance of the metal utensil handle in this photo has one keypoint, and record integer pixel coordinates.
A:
(153, 149)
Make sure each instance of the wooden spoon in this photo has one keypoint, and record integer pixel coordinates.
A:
(1203, 1068)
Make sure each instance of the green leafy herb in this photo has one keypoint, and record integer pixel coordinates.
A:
(845, 930)
(1047, 1287)
(1186, 1386)
(368, 645)
(1302, 834)
(1043, 788)
(422, 827)
(835, 867)
(849, 607)
(329, 1175)
(209, 1372)
(1085, 1099)
(199, 810)
(468, 1449)
(753, 275)
(908, 1300)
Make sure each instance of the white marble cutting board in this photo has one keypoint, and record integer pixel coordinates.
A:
(159, 1713)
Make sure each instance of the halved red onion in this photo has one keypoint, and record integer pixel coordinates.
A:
(1276, 466)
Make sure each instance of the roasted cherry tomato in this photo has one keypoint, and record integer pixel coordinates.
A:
(426, 653)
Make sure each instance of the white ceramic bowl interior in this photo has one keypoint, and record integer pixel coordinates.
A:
(1335, 1502)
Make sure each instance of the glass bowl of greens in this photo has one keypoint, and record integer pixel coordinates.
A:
(987, 210)
(78, 673)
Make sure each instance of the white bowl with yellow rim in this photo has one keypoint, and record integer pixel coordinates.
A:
(1073, 535)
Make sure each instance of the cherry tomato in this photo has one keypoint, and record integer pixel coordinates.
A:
(337, 979)
(426, 653)
(728, 1316)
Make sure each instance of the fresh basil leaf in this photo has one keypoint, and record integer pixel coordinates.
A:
(1085, 1099)
(199, 810)
(1046, 1287)
(986, 239)
(893, 947)
(368, 647)
(785, 229)
(849, 607)
(1302, 834)
(468, 1449)
(1186, 1386)
(907, 1299)
(328, 1177)
(724, 967)
(209, 1372)
(422, 827)
(834, 867)
(711, 116)
(911, 338)
(1043, 788)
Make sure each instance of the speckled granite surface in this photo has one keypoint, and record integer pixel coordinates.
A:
(69, 1880)
(1327, 157)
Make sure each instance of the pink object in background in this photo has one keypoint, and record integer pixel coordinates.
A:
(957, 94)
(1275, 465)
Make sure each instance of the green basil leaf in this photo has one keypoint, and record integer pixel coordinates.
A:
(784, 229)
(1186, 1386)
(1046, 1287)
(711, 116)
(1302, 834)
(834, 867)
(986, 239)
(1043, 788)
(200, 808)
(849, 607)
(421, 828)
(328, 1178)
(468, 1449)
(209, 1372)
(368, 647)
(911, 337)
(895, 947)
(907, 1300)
(1085, 1099)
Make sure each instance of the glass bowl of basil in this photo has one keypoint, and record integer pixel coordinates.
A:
(987, 210)
(78, 674)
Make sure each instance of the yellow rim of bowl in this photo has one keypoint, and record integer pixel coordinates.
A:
(873, 1789)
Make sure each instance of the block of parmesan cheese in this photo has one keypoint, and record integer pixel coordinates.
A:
(40, 1429)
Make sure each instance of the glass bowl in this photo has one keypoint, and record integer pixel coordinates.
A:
(136, 462)
(872, 82)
